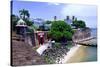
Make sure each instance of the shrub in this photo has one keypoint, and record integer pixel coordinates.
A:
(28, 22)
(79, 24)
(59, 30)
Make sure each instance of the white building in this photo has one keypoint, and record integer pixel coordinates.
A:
(69, 20)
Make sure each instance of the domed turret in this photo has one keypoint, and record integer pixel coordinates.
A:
(21, 28)
(21, 23)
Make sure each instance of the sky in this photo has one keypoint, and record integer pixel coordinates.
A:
(47, 10)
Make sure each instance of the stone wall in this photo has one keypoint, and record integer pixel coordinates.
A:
(81, 34)
(23, 54)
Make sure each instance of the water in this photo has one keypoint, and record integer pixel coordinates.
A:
(93, 31)
(86, 53)
(91, 52)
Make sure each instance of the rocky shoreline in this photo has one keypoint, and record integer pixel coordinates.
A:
(56, 54)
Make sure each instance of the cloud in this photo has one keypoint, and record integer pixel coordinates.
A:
(79, 10)
(82, 12)
(53, 3)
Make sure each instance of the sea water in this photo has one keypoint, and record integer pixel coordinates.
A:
(91, 51)
(86, 53)
(94, 32)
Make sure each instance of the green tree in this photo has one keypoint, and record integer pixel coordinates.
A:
(14, 20)
(24, 13)
(48, 22)
(79, 24)
(60, 30)
(28, 22)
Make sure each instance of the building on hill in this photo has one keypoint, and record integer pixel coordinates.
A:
(38, 22)
(69, 20)
(41, 24)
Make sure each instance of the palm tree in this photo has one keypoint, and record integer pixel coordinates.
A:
(25, 14)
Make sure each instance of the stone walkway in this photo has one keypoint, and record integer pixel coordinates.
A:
(42, 48)
(22, 54)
